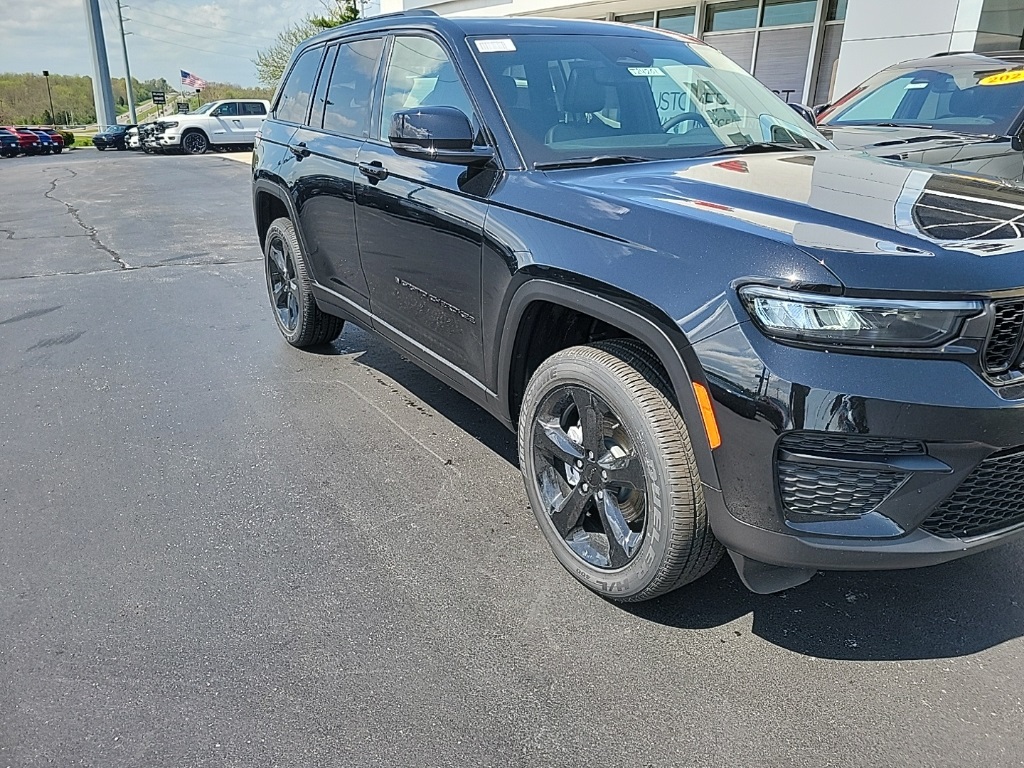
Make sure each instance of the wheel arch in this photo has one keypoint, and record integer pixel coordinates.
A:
(269, 202)
(639, 321)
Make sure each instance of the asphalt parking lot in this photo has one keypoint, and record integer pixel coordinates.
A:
(220, 551)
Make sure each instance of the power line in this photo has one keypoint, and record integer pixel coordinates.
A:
(262, 38)
(248, 46)
(234, 18)
(193, 48)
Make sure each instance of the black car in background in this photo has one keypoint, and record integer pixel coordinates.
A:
(711, 330)
(10, 146)
(111, 137)
(964, 111)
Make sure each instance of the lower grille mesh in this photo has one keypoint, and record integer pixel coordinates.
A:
(812, 489)
(991, 498)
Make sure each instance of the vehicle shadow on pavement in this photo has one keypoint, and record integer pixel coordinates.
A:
(945, 611)
(459, 410)
(950, 610)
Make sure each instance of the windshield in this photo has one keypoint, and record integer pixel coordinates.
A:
(573, 96)
(205, 108)
(964, 99)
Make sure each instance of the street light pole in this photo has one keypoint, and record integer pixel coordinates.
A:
(53, 117)
(127, 69)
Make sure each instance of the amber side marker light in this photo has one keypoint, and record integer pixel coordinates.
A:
(707, 415)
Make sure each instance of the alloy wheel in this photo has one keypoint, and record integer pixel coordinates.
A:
(284, 286)
(194, 144)
(590, 477)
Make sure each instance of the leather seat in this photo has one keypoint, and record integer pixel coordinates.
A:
(584, 96)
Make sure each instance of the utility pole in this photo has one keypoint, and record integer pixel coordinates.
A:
(127, 69)
(53, 117)
(102, 94)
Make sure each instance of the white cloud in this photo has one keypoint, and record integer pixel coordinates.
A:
(214, 39)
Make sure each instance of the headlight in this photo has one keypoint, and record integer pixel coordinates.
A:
(169, 125)
(855, 322)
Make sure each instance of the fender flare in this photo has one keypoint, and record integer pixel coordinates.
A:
(675, 354)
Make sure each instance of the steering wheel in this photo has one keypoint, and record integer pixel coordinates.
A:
(682, 117)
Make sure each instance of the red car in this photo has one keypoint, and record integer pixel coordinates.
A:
(29, 142)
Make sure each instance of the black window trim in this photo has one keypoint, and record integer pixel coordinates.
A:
(284, 83)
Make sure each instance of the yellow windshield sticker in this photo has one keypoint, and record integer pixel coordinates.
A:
(1003, 78)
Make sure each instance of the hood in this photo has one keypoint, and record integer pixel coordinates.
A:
(875, 224)
(916, 144)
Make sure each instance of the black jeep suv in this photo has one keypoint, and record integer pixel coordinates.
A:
(713, 331)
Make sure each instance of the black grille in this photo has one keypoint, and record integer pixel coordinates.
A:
(1002, 352)
(853, 445)
(991, 498)
(813, 489)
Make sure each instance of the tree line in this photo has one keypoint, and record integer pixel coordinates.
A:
(24, 101)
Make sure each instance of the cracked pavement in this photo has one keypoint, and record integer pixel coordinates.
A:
(216, 550)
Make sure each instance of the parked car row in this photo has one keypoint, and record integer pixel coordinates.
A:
(220, 125)
(29, 141)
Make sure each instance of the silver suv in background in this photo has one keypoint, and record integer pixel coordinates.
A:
(225, 123)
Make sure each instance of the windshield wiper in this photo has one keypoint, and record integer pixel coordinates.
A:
(753, 147)
(583, 162)
(895, 125)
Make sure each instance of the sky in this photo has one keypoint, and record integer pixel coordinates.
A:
(214, 39)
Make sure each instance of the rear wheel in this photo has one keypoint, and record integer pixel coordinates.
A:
(195, 143)
(300, 320)
(610, 472)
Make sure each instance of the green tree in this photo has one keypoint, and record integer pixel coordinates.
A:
(270, 62)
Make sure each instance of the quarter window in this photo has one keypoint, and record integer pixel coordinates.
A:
(293, 103)
(420, 75)
(347, 109)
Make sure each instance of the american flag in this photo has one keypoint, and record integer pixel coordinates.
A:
(187, 78)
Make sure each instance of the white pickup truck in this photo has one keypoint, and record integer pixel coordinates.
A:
(218, 123)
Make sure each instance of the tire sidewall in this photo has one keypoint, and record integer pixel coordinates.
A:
(284, 230)
(644, 568)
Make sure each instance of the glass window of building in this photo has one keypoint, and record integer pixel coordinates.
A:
(640, 19)
(681, 20)
(1001, 27)
(778, 13)
(836, 10)
(736, 14)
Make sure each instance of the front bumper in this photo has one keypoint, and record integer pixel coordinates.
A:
(168, 140)
(834, 461)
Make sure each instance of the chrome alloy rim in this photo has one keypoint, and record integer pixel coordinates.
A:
(590, 478)
(284, 288)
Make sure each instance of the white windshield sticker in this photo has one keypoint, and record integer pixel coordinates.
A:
(646, 72)
(495, 46)
(915, 86)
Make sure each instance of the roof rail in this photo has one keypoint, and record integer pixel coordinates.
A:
(399, 14)
(950, 53)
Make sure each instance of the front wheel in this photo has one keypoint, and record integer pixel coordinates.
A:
(195, 143)
(610, 472)
(300, 320)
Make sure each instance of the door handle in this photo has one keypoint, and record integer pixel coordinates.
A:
(299, 150)
(374, 171)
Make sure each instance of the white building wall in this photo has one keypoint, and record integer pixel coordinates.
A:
(879, 33)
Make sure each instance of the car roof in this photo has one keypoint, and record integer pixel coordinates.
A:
(488, 25)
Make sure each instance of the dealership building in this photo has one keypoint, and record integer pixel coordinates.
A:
(806, 50)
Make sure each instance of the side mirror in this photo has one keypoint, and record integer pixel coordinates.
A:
(805, 112)
(441, 134)
(820, 109)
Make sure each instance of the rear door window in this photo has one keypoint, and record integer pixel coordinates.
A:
(347, 107)
(253, 108)
(293, 102)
